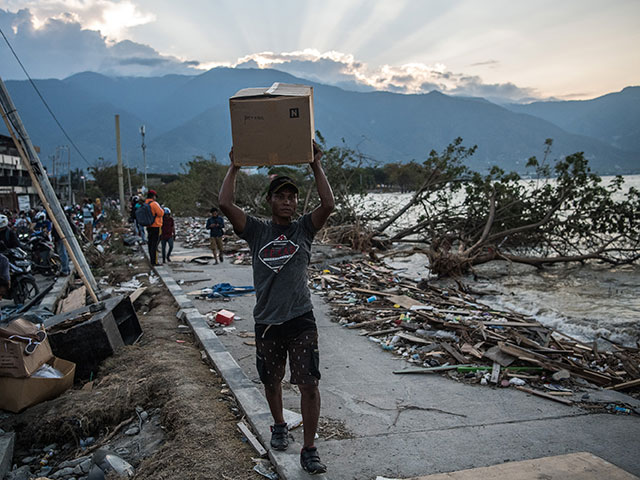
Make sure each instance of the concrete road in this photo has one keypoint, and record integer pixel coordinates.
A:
(409, 425)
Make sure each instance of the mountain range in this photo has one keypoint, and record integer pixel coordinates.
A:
(188, 116)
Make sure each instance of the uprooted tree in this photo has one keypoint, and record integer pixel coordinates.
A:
(564, 213)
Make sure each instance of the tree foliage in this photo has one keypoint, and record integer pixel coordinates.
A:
(562, 213)
(195, 190)
(105, 182)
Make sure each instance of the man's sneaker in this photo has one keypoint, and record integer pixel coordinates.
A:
(310, 461)
(279, 436)
(221, 260)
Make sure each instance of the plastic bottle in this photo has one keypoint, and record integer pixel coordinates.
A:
(622, 410)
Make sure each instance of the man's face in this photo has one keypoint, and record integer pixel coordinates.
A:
(283, 202)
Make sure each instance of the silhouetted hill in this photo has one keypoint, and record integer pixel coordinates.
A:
(613, 118)
(187, 116)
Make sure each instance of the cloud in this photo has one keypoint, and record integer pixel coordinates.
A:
(112, 18)
(60, 46)
(341, 69)
(91, 36)
(488, 63)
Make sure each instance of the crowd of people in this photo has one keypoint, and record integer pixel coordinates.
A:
(19, 227)
(154, 224)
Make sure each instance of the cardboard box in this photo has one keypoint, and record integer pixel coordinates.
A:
(16, 394)
(15, 363)
(225, 317)
(272, 125)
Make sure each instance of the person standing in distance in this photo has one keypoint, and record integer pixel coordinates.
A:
(167, 234)
(215, 224)
(153, 230)
(285, 325)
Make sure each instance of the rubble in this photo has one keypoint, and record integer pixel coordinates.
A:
(447, 330)
(193, 234)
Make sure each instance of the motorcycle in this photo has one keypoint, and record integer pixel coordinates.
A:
(23, 284)
(43, 254)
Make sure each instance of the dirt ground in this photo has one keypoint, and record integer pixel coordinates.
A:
(192, 417)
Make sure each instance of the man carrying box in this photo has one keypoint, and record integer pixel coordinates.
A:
(285, 325)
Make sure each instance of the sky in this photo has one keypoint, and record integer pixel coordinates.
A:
(505, 51)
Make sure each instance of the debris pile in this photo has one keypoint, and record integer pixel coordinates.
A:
(191, 232)
(447, 330)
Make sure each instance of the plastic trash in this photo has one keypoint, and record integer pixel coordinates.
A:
(372, 298)
(266, 471)
(47, 371)
(617, 409)
(517, 381)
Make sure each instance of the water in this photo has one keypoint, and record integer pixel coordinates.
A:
(582, 301)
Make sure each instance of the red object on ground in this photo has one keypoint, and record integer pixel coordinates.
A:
(225, 317)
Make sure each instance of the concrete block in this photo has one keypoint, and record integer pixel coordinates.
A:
(88, 342)
(7, 441)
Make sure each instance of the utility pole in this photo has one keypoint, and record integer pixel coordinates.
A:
(55, 179)
(120, 181)
(41, 182)
(129, 176)
(69, 170)
(144, 156)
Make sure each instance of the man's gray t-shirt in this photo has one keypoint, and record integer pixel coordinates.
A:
(280, 255)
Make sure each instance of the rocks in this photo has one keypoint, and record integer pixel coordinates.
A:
(75, 462)
(83, 467)
(132, 431)
(561, 375)
(22, 473)
(63, 472)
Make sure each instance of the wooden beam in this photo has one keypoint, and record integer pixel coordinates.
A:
(625, 385)
(545, 395)
(257, 446)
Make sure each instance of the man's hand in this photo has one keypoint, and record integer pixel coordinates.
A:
(327, 203)
(231, 159)
(317, 154)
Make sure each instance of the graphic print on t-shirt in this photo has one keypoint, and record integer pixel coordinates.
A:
(277, 253)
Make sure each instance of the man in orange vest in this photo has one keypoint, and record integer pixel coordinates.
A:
(153, 230)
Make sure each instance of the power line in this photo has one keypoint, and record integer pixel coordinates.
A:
(43, 100)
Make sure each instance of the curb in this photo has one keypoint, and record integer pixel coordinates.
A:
(250, 399)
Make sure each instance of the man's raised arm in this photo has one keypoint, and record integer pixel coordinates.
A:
(226, 197)
(327, 203)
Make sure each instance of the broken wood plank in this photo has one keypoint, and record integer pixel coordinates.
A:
(495, 373)
(510, 324)
(625, 385)
(413, 339)
(471, 350)
(453, 351)
(554, 365)
(405, 302)
(443, 368)
(75, 300)
(195, 280)
(383, 332)
(545, 395)
(253, 441)
(135, 295)
(497, 355)
(370, 292)
(368, 322)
